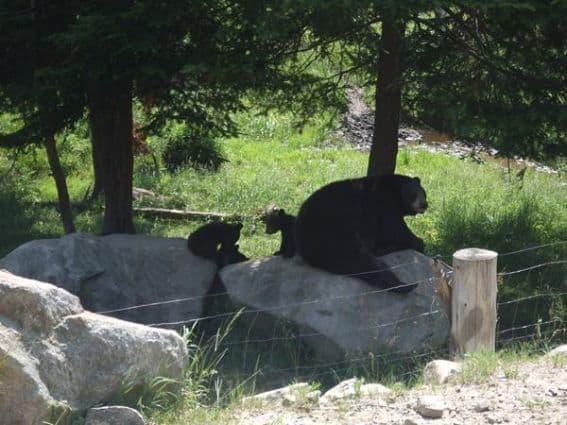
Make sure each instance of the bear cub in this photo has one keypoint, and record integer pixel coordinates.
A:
(277, 220)
(205, 241)
(346, 225)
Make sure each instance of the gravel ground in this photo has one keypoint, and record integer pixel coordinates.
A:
(533, 392)
(357, 126)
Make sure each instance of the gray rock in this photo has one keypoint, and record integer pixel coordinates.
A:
(430, 407)
(558, 351)
(114, 415)
(338, 315)
(343, 390)
(54, 354)
(120, 271)
(439, 371)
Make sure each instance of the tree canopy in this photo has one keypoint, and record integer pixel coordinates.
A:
(484, 71)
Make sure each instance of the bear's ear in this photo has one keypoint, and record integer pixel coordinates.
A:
(239, 226)
(417, 179)
(281, 212)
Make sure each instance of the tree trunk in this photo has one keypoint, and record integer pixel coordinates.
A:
(98, 164)
(110, 116)
(61, 184)
(388, 99)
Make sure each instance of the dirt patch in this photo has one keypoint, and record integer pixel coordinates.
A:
(533, 392)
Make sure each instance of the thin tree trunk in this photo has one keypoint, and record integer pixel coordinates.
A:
(388, 100)
(61, 184)
(110, 115)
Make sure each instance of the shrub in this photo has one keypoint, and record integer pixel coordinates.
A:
(190, 146)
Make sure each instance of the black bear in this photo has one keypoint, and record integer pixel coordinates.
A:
(206, 239)
(345, 225)
(277, 220)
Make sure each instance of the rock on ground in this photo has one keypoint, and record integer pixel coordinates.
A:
(120, 271)
(114, 415)
(439, 371)
(341, 315)
(53, 354)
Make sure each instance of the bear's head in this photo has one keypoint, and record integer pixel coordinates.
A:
(414, 198)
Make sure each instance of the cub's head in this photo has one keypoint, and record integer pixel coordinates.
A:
(414, 198)
(272, 216)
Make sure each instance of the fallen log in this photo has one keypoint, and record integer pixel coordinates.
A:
(170, 214)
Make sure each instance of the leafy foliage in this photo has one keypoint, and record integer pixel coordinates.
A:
(185, 145)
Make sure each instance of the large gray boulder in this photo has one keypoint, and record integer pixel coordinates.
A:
(120, 271)
(341, 315)
(54, 355)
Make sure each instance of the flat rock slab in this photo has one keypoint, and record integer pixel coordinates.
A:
(118, 272)
(340, 315)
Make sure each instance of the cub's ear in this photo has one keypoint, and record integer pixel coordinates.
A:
(239, 225)
(417, 179)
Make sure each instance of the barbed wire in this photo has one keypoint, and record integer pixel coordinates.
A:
(535, 335)
(538, 323)
(346, 331)
(255, 290)
(296, 304)
(537, 266)
(532, 248)
(541, 295)
(263, 287)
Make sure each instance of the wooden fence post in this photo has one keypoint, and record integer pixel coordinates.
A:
(473, 301)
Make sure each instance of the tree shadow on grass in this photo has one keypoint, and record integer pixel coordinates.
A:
(21, 222)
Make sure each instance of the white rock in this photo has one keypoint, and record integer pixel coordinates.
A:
(340, 315)
(352, 388)
(374, 390)
(430, 407)
(343, 390)
(279, 394)
(439, 371)
(114, 415)
(558, 351)
(481, 406)
(116, 271)
(55, 354)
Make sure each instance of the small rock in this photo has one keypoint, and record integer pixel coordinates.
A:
(439, 371)
(284, 395)
(558, 351)
(430, 407)
(410, 422)
(375, 390)
(481, 406)
(345, 389)
(114, 415)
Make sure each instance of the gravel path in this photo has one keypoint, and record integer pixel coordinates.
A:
(525, 393)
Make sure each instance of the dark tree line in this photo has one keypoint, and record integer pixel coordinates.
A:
(488, 71)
